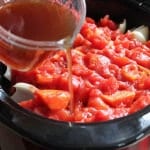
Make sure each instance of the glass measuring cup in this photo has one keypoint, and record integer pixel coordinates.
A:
(31, 28)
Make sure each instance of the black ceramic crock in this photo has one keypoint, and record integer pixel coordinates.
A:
(112, 134)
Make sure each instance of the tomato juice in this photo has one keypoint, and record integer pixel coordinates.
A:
(110, 76)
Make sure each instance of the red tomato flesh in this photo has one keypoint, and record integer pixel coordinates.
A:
(111, 76)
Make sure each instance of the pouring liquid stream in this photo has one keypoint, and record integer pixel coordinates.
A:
(70, 84)
(39, 21)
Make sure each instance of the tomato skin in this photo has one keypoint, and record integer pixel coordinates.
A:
(140, 57)
(85, 115)
(90, 20)
(29, 104)
(63, 80)
(96, 62)
(87, 30)
(147, 83)
(62, 114)
(53, 99)
(41, 110)
(140, 103)
(130, 72)
(109, 86)
(99, 43)
(104, 115)
(28, 77)
(121, 61)
(80, 40)
(97, 103)
(119, 98)
(108, 23)
(121, 112)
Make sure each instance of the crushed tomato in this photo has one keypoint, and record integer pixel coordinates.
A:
(111, 76)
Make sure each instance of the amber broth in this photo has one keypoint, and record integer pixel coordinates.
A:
(40, 21)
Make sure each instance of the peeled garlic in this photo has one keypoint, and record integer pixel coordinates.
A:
(123, 26)
(141, 33)
(23, 91)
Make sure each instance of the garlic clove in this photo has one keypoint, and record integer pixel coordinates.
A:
(23, 91)
(141, 33)
(123, 26)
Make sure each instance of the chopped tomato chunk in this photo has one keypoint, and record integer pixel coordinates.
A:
(53, 99)
(119, 98)
(140, 103)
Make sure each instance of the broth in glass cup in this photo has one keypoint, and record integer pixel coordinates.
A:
(29, 29)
